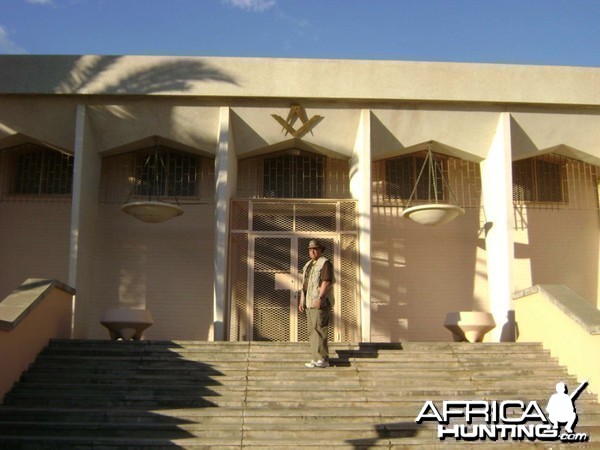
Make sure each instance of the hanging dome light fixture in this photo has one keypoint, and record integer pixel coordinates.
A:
(433, 212)
(152, 210)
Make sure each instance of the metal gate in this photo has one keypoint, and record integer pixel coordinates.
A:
(268, 249)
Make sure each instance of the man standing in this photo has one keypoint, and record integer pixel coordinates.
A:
(317, 299)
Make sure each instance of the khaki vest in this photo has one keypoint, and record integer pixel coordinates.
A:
(314, 280)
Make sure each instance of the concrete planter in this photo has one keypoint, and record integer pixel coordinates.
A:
(126, 324)
(469, 326)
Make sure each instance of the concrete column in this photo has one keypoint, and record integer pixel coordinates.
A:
(225, 179)
(598, 266)
(84, 211)
(360, 188)
(496, 180)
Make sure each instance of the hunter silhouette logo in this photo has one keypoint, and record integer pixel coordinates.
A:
(509, 419)
(561, 407)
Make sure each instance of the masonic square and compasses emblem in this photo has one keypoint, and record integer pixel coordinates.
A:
(296, 113)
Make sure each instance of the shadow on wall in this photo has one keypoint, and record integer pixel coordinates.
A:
(82, 74)
(563, 249)
(421, 273)
(156, 267)
(34, 242)
(108, 74)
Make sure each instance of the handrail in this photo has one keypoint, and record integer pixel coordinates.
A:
(34, 313)
(15, 307)
(571, 304)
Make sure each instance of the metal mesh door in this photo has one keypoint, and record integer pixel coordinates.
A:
(349, 283)
(269, 247)
(271, 311)
(239, 288)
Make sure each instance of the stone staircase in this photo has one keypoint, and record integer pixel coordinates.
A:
(84, 394)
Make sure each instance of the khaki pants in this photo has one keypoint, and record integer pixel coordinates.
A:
(317, 321)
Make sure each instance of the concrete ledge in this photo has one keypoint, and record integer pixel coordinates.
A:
(566, 325)
(35, 312)
(15, 307)
(571, 304)
(298, 78)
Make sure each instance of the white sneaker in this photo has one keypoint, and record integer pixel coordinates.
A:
(321, 363)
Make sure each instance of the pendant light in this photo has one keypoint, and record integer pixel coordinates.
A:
(152, 210)
(433, 212)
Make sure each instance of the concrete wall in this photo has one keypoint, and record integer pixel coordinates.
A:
(559, 247)
(547, 315)
(298, 78)
(371, 110)
(34, 242)
(419, 274)
(166, 268)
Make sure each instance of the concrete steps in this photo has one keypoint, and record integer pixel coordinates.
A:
(182, 394)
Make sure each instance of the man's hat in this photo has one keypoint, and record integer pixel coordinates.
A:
(315, 244)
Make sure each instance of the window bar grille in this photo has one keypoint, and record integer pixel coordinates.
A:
(37, 172)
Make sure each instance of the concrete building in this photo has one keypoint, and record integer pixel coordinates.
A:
(264, 154)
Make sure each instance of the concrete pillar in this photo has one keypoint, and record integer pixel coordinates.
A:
(496, 180)
(598, 266)
(225, 176)
(360, 188)
(84, 210)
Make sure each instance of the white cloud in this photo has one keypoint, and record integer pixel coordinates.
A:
(7, 46)
(40, 2)
(252, 5)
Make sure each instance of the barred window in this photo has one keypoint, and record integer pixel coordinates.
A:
(538, 180)
(41, 171)
(166, 173)
(293, 176)
(401, 175)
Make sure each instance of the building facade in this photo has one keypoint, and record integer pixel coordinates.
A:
(263, 155)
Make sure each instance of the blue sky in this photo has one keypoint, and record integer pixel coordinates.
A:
(552, 32)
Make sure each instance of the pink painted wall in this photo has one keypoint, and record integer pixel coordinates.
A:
(34, 242)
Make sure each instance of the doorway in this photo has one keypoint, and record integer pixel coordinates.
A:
(265, 268)
(277, 279)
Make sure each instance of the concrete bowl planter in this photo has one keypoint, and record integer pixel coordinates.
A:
(126, 323)
(469, 326)
(433, 213)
